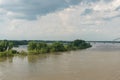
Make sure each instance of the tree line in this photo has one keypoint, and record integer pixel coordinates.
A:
(42, 47)
(37, 47)
(25, 42)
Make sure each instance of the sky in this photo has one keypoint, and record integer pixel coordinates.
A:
(59, 19)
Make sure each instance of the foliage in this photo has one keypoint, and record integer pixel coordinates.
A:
(36, 47)
(5, 45)
(32, 45)
(6, 53)
(6, 48)
(42, 47)
(16, 43)
(80, 44)
(57, 47)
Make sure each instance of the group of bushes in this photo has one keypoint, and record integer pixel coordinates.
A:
(8, 53)
(41, 47)
(6, 48)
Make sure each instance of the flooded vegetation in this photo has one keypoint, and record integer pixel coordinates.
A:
(7, 47)
(101, 62)
(42, 47)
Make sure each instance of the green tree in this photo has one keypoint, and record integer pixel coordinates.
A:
(80, 44)
(57, 46)
(42, 47)
(32, 46)
(5, 45)
(38, 47)
(10, 45)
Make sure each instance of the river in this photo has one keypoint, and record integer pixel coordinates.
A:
(101, 62)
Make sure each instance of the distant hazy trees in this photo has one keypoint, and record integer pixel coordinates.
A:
(42, 47)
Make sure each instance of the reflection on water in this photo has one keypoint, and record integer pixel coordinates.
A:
(5, 59)
(101, 62)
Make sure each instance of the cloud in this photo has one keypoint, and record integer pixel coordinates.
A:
(101, 11)
(59, 19)
(31, 9)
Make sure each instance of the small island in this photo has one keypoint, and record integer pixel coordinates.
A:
(38, 47)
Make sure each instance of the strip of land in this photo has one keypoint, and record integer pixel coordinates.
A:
(41, 47)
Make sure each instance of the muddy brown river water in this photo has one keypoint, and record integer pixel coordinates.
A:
(101, 62)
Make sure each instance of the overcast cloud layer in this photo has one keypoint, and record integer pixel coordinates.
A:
(60, 19)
